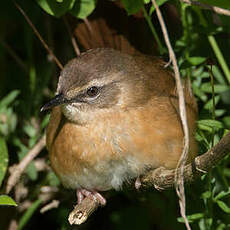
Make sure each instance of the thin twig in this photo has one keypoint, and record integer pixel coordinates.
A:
(179, 180)
(13, 225)
(162, 178)
(14, 56)
(20, 168)
(39, 36)
(73, 40)
(88, 25)
(92, 33)
(215, 9)
(49, 206)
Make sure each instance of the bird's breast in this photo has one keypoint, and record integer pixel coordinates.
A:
(116, 147)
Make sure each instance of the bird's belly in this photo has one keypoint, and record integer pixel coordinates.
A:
(104, 175)
(94, 161)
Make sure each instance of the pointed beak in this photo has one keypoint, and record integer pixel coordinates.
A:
(57, 100)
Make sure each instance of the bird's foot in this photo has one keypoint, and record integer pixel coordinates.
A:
(82, 193)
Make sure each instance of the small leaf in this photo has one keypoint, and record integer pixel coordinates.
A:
(9, 98)
(209, 104)
(3, 159)
(56, 8)
(223, 206)
(196, 60)
(53, 179)
(220, 112)
(218, 75)
(218, 88)
(30, 130)
(226, 121)
(210, 123)
(132, 6)
(6, 200)
(83, 8)
(206, 195)
(45, 121)
(222, 194)
(191, 218)
(159, 3)
(32, 171)
(199, 93)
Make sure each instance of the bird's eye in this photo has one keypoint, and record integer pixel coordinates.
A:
(92, 91)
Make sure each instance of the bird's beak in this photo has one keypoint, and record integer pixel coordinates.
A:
(57, 100)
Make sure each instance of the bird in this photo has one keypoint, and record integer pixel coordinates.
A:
(115, 116)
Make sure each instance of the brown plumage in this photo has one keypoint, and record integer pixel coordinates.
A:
(115, 117)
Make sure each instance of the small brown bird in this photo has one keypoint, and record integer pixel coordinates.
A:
(115, 117)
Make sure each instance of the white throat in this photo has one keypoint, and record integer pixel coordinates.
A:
(75, 113)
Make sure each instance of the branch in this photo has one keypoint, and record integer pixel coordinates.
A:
(39, 36)
(73, 40)
(20, 168)
(215, 9)
(82, 211)
(162, 178)
(179, 179)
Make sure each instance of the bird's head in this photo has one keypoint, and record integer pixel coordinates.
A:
(97, 81)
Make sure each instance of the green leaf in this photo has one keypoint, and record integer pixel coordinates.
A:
(132, 6)
(218, 75)
(222, 194)
(28, 214)
(3, 159)
(206, 195)
(219, 112)
(210, 123)
(221, 226)
(223, 206)
(159, 3)
(83, 8)
(226, 121)
(199, 93)
(53, 179)
(30, 130)
(191, 218)
(32, 171)
(45, 121)
(218, 88)
(205, 223)
(56, 8)
(9, 98)
(209, 104)
(196, 60)
(6, 200)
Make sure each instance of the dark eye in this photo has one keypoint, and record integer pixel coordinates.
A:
(92, 91)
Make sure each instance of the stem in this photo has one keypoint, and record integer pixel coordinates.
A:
(216, 48)
(155, 35)
(219, 56)
(213, 101)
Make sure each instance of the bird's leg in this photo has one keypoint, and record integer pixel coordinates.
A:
(80, 196)
(81, 193)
